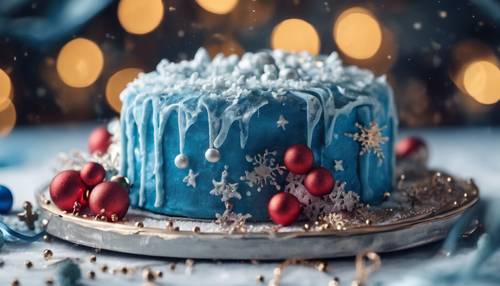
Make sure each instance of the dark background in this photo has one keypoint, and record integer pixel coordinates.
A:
(431, 40)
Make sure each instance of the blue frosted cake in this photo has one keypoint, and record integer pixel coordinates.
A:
(198, 135)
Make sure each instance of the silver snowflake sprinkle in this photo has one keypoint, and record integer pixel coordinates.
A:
(295, 186)
(225, 189)
(340, 200)
(282, 122)
(190, 179)
(265, 171)
(371, 139)
(338, 165)
(231, 221)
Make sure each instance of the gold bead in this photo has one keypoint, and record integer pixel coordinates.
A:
(15, 282)
(159, 274)
(306, 227)
(169, 224)
(46, 238)
(196, 229)
(172, 266)
(47, 254)
(321, 266)
(28, 264)
(104, 268)
(124, 270)
(387, 195)
(368, 222)
(148, 275)
(139, 224)
(260, 278)
(91, 275)
(49, 281)
(93, 259)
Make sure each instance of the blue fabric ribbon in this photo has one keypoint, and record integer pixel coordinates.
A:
(9, 235)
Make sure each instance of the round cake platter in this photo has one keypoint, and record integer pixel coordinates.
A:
(421, 209)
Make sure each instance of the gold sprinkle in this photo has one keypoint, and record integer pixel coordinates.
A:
(45, 222)
(47, 202)
(368, 222)
(139, 224)
(124, 270)
(159, 274)
(91, 275)
(47, 254)
(189, 262)
(277, 271)
(334, 282)
(49, 281)
(169, 225)
(465, 195)
(306, 227)
(93, 259)
(321, 266)
(260, 278)
(104, 268)
(15, 282)
(172, 266)
(114, 217)
(148, 275)
(455, 203)
(196, 229)
(176, 228)
(387, 195)
(28, 264)
(46, 238)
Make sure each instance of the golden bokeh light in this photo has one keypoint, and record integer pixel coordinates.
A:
(140, 16)
(295, 35)
(117, 83)
(482, 81)
(80, 63)
(5, 90)
(7, 119)
(357, 33)
(220, 7)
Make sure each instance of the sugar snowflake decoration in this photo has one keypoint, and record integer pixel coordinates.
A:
(231, 221)
(338, 200)
(265, 171)
(224, 189)
(371, 139)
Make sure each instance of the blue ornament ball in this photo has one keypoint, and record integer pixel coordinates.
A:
(6, 200)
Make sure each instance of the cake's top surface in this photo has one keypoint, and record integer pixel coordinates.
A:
(232, 77)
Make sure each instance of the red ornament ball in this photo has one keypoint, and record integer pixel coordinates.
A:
(110, 200)
(412, 148)
(92, 174)
(67, 188)
(284, 208)
(298, 159)
(99, 140)
(319, 182)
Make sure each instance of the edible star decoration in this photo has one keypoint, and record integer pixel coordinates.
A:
(338, 165)
(190, 179)
(282, 122)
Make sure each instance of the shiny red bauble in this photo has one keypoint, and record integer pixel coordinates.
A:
(92, 174)
(319, 182)
(284, 208)
(412, 148)
(109, 199)
(67, 188)
(298, 159)
(99, 141)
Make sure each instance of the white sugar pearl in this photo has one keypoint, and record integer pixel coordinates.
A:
(212, 155)
(181, 161)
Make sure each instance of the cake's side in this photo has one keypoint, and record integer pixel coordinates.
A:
(191, 141)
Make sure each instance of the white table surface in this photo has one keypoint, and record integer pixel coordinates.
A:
(27, 157)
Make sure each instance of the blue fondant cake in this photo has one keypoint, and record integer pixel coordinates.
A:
(200, 135)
